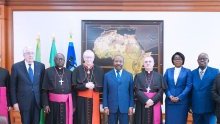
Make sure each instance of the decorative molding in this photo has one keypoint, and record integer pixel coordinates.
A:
(116, 5)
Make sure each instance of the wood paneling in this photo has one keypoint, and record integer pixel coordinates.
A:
(116, 5)
(2, 36)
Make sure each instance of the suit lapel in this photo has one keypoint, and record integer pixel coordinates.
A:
(206, 73)
(180, 75)
(113, 75)
(35, 71)
(123, 76)
(25, 70)
(204, 81)
(172, 75)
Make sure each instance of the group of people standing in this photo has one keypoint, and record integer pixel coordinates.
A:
(74, 97)
(192, 91)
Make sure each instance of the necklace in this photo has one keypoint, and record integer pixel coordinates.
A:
(89, 74)
(148, 82)
(60, 76)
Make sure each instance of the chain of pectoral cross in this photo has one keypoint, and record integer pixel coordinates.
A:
(89, 74)
(60, 76)
(148, 82)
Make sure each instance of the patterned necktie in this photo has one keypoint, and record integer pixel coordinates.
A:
(201, 74)
(118, 75)
(30, 73)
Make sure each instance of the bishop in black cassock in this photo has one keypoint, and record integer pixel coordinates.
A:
(56, 93)
(149, 88)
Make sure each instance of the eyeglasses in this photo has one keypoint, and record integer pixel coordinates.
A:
(203, 59)
(60, 59)
(177, 59)
(29, 53)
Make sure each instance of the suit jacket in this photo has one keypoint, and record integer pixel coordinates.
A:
(202, 101)
(118, 94)
(21, 87)
(216, 94)
(182, 87)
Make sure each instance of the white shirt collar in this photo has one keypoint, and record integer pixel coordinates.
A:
(27, 65)
(120, 72)
(202, 70)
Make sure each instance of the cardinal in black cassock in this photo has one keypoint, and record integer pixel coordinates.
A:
(56, 93)
(88, 80)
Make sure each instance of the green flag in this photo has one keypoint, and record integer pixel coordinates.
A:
(38, 58)
(53, 52)
(38, 50)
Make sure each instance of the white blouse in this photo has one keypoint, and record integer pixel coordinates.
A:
(176, 74)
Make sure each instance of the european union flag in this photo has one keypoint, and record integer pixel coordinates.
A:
(71, 57)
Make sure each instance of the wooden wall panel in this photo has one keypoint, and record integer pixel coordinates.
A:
(2, 36)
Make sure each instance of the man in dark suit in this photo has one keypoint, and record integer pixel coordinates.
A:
(216, 96)
(202, 101)
(118, 93)
(26, 79)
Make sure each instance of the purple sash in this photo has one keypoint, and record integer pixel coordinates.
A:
(67, 98)
(156, 109)
(3, 102)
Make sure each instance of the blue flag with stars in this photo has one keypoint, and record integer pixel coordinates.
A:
(71, 56)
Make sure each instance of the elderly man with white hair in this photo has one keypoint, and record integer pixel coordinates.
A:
(26, 79)
(88, 80)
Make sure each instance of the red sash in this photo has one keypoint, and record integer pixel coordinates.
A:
(67, 98)
(95, 96)
(3, 102)
(156, 109)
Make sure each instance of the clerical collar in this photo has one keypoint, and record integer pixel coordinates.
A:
(59, 69)
(87, 67)
(146, 72)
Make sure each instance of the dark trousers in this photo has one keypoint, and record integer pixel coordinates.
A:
(218, 119)
(32, 115)
(118, 116)
(205, 118)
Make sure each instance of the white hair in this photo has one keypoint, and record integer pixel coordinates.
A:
(28, 49)
(88, 52)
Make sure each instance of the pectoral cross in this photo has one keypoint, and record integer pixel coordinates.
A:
(61, 81)
(148, 89)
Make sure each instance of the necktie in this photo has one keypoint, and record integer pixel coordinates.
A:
(118, 75)
(201, 74)
(30, 73)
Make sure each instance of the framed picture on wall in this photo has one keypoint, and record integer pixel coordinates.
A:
(133, 39)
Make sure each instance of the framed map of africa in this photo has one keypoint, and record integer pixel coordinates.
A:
(130, 38)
